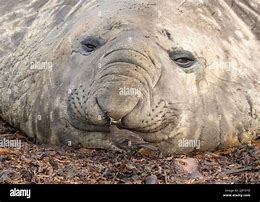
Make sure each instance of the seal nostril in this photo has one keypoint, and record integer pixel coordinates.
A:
(114, 104)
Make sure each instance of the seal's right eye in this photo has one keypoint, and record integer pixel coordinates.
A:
(183, 58)
(91, 43)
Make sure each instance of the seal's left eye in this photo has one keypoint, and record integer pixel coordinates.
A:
(91, 43)
(184, 59)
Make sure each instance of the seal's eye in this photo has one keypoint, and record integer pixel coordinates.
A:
(183, 58)
(91, 43)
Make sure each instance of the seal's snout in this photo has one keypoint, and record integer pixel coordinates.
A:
(126, 77)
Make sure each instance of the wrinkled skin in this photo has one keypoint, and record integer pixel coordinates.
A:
(138, 45)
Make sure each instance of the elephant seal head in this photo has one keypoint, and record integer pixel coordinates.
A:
(172, 73)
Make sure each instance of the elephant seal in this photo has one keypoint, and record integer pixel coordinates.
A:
(183, 75)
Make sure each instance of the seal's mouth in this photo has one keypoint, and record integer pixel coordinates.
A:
(152, 136)
(105, 128)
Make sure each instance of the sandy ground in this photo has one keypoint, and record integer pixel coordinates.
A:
(47, 164)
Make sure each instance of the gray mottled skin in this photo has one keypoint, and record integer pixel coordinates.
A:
(217, 103)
